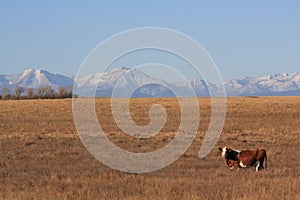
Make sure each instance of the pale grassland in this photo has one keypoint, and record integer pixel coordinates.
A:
(42, 156)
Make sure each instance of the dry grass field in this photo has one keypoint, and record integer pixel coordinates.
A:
(42, 156)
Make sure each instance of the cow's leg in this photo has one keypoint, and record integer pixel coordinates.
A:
(261, 164)
(236, 165)
(241, 164)
(230, 165)
(257, 166)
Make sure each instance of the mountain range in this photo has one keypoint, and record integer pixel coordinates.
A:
(124, 82)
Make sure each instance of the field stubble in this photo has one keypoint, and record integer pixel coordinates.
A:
(42, 156)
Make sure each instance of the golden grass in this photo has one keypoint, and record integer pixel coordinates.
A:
(43, 158)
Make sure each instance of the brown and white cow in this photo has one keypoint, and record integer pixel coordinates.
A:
(245, 158)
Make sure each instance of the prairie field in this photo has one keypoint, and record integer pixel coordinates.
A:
(42, 156)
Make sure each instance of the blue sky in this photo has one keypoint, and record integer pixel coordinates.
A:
(250, 38)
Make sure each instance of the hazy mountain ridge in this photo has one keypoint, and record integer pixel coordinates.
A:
(123, 82)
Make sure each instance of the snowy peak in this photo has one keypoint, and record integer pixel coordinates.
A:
(120, 82)
(96, 78)
(34, 78)
(29, 78)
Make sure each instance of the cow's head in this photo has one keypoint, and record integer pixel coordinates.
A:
(229, 153)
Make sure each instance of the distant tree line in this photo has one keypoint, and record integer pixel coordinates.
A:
(43, 92)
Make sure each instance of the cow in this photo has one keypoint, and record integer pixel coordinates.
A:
(245, 158)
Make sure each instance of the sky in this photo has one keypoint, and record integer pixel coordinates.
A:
(252, 38)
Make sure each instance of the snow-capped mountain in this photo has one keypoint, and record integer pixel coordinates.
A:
(34, 78)
(124, 82)
(278, 84)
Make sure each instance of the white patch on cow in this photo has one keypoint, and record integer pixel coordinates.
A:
(224, 151)
(242, 164)
(238, 151)
(257, 166)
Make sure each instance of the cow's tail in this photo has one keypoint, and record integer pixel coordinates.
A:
(266, 159)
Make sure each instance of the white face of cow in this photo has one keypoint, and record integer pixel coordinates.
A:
(223, 150)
